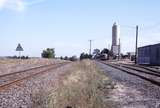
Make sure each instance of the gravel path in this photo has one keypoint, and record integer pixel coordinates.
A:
(32, 93)
(131, 91)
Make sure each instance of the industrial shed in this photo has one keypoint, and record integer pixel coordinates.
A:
(149, 55)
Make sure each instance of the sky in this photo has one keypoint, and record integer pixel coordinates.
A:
(68, 25)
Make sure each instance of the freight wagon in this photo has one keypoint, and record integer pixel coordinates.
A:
(149, 55)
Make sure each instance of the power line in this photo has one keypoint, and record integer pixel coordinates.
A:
(143, 27)
(127, 26)
(153, 26)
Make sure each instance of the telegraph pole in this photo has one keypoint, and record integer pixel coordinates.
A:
(109, 47)
(119, 49)
(136, 49)
(90, 47)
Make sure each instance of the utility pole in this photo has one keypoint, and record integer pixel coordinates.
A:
(90, 47)
(136, 49)
(109, 47)
(119, 49)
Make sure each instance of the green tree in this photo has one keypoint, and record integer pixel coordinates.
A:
(96, 51)
(105, 51)
(85, 56)
(66, 58)
(61, 58)
(48, 53)
(73, 58)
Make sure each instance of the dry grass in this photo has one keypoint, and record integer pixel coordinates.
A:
(83, 87)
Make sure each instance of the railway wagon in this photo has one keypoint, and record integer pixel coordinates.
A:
(149, 55)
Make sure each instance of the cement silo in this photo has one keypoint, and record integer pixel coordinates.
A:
(115, 39)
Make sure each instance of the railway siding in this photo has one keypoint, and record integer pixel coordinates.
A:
(150, 76)
(131, 90)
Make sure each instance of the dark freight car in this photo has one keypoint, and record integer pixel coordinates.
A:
(149, 55)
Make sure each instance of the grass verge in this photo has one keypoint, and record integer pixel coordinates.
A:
(84, 86)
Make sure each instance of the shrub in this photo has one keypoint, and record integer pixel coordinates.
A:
(48, 53)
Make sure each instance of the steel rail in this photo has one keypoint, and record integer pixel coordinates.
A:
(139, 70)
(22, 71)
(134, 74)
(17, 80)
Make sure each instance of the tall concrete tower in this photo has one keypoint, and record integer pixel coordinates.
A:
(114, 34)
(115, 38)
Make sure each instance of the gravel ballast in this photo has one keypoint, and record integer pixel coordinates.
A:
(32, 92)
(131, 91)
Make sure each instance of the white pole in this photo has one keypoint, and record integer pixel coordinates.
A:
(20, 54)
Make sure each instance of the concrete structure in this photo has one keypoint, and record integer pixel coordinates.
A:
(149, 55)
(115, 36)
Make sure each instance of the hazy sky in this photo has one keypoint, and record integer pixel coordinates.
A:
(67, 25)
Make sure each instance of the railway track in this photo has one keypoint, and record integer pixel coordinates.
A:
(148, 75)
(140, 69)
(8, 80)
(146, 68)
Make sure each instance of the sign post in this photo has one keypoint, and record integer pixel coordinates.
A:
(19, 48)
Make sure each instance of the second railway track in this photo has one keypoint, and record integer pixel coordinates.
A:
(7, 80)
(151, 76)
(140, 69)
(145, 67)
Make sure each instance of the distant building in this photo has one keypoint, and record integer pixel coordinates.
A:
(149, 55)
(115, 48)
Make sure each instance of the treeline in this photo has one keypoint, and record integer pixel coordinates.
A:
(104, 54)
(85, 56)
(72, 58)
(50, 53)
(97, 54)
(18, 57)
